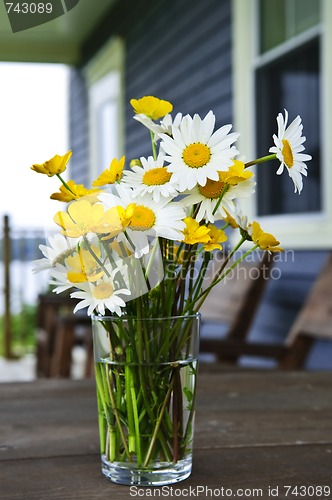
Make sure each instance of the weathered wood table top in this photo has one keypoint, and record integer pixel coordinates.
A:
(258, 435)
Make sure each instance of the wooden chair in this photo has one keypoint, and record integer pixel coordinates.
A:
(234, 302)
(312, 323)
(58, 331)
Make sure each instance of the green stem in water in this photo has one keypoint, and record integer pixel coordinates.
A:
(158, 423)
(116, 414)
(260, 160)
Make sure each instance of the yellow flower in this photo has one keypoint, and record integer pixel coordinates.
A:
(194, 232)
(84, 266)
(135, 162)
(151, 106)
(235, 174)
(217, 236)
(265, 241)
(76, 191)
(230, 220)
(54, 166)
(111, 174)
(83, 218)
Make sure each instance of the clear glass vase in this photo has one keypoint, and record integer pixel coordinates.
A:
(145, 372)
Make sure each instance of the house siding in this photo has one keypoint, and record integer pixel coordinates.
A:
(78, 127)
(179, 51)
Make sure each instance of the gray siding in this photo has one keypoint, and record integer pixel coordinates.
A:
(78, 127)
(179, 51)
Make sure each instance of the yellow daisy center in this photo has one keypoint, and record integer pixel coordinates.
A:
(156, 176)
(103, 291)
(196, 155)
(212, 189)
(142, 218)
(287, 153)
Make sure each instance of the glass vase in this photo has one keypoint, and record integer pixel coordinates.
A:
(145, 370)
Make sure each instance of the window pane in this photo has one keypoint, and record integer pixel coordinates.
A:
(292, 82)
(107, 134)
(272, 23)
(282, 19)
(307, 14)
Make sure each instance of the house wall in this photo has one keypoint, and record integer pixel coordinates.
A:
(181, 51)
(78, 127)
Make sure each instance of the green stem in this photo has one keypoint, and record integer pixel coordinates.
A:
(99, 262)
(151, 257)
(117, 417)
(153, 144)
(65, 184)
(136, 424)
(219, 278)
(218, 273)
(260, 160)
(158, 423)
(220, 198)
(129, 404)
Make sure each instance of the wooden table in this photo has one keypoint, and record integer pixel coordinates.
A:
(256, 434)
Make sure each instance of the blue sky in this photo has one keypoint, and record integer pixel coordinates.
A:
(33, 128)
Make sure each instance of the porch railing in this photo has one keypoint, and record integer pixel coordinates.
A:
(20, 286)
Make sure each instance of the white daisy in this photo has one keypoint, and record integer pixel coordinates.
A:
(152, 178)
(217, 197)
(288, 147)
(59, 248)
(208, 198)
(164, 127)
(146, 218)
(59, 279)
(101, 296)
(196, 153)
(241, 219)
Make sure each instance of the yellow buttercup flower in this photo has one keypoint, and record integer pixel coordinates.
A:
(84, 267)
(83, 218)
(235, 174)
(194, 232)
(111, 174)
(76, 191)
(217, 236)
(152, 107)
(265, 241)
(54, 166)
(230, 220)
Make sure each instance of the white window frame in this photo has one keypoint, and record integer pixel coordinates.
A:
(104, 77)
(297, 231)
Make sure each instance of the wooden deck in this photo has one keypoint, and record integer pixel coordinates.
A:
(254, 431)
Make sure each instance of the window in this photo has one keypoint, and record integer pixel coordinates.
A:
(282, 60)
(280, 20)
(104, 119)
(104, 76)
(288, 79)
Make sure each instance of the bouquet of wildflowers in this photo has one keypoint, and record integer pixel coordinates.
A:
(128, 248)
